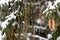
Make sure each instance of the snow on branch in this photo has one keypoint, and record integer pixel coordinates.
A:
(50, 6)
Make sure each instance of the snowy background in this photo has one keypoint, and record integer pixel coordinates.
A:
(3, 24)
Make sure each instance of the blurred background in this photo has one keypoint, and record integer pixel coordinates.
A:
(29, 20)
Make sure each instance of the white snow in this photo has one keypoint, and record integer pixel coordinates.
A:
(40, 38)
(17, 0)
(22, 34)
(39, 27)
(14, 23)
(36, 36)
(58, 38)
(9, 8)
(3, 1)
(29, 34)
(16, 11)
(3, 24)
(49, 36)
(23, 22)
(38, 20)
(50, 6)
(4, 35)
(9, 17)
(0, 35)
(28, 38)
(6, 1)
